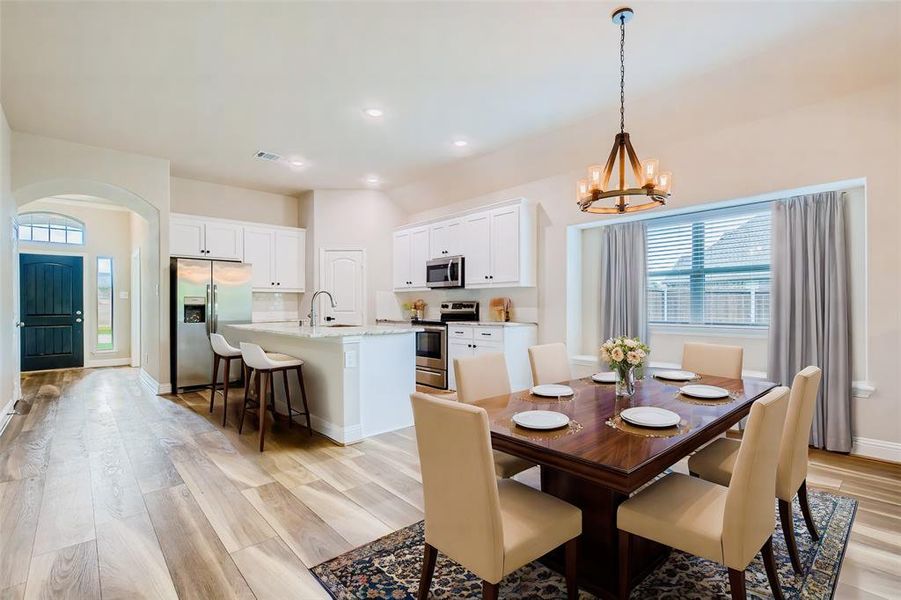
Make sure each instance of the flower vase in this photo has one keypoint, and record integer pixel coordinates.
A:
(625, 381)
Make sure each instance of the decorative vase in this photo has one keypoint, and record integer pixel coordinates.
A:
(625, 381)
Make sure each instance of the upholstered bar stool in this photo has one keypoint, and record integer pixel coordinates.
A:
(549, 364)
(713, 359)
(716, 462)
(264, 366)
(223, 351)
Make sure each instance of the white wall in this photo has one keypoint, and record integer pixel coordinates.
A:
(9, 351)
(206, 199)
(107, 234)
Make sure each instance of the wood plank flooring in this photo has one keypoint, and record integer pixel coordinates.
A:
(108, 491)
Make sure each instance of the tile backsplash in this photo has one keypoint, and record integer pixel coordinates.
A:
(269, 307)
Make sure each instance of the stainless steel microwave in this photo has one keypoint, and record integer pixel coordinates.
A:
(445, 272)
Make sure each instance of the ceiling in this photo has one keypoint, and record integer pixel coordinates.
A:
(206, 85)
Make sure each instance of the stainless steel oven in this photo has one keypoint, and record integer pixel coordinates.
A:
(431, 354)
(445, 272)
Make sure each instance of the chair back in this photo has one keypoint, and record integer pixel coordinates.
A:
(796, 435)
(713, 359)
(549, 363)
(480, 377)
(221, 346)
(748, 516)
(254, 357)
(462, 507)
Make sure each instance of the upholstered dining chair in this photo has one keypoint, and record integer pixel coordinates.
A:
(716, 462)
(713, 359)
(729, 525)
(549, 363)
(485, 376)
(492, 527)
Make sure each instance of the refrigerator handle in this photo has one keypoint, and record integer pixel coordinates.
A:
(215, 326)
(209, 310)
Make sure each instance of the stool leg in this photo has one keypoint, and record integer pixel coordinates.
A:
(272, 396)
(228, 362)
(215, 373)
(287, 397)
(303, 397)
(247, 377)
(267, 380)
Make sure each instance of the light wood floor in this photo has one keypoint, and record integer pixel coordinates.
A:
(108, 490)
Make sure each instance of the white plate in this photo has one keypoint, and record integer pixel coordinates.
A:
(608, 377)
(552, 390)
(540, 419)
(650, 416)
(676, 375)
(707, 392)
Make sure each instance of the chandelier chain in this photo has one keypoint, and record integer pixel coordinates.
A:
(622, 73)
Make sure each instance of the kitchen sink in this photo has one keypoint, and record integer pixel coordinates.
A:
(341, 325)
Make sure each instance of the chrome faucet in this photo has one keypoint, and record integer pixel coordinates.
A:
(314, 314)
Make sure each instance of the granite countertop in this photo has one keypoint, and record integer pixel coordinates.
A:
(292, 329)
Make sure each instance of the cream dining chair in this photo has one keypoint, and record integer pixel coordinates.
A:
(729, 525)
(549, 363)
(485, 376)
(492, 527)
(716, 462)
(713, 359)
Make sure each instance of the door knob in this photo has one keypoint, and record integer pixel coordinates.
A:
(77, 312)
(20, 324)
(78, 320)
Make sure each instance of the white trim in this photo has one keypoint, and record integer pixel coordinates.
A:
(107, 362)
(878, 449)
(233, 222)
(709, 330)
(153, 386)
(345, 435)
(462, 213)
(7, 414)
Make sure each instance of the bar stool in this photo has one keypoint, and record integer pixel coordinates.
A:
(222, 350)
(264, 365)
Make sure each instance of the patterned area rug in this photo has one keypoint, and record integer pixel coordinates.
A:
(390, 567)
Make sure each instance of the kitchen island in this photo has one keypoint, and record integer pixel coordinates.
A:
(358, 379)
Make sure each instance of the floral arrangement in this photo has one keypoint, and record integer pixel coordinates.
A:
(622, 353)
(416, 308)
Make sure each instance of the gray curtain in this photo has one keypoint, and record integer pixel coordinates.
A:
(810, 309)
(623, 281)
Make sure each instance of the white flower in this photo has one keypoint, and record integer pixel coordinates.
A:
(605, 355)
(608, 345)
(641, 353)
(633, 358)
(617, 354)
(631, 343)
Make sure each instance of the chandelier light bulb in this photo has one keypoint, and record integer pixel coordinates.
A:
(595, 176)
(665, 182)
(582, 188)
(649, 169)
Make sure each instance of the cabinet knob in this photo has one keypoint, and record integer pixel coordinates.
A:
(491, 277)
(279, 283)
(271, 283)
(486, 277)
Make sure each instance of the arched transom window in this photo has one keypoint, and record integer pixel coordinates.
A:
(51, 228)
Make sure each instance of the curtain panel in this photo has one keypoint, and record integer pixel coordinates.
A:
(810, 308)
(624, 281)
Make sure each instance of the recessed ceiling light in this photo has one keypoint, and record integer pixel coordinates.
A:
(461, 143)
(375, 113)
(296, 163)
(372, 179)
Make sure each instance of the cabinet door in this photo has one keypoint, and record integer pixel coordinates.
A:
(224, 241)
(456, 349)
(402, 260)
(289, 260)
(437, 233)
(504, 245)
(186, 237)
(259, 245)
(444, 238)
(475, 248)
(419, 255)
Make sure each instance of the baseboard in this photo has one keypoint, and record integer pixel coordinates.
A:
(154, 386)
(7, 414)
(107, 362)
(342, 435)
(878, 449)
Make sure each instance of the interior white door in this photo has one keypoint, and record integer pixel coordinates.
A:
(402, 260)
(343, 274)
(259, 245)
(186, 237)
(14, 351)
(504, 245)
(290, 249)
(223, 241)
(476, 249)
(419, 256)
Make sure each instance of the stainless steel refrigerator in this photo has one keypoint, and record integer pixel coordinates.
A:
(206, 294)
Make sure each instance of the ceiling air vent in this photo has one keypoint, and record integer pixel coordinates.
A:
(271, 156)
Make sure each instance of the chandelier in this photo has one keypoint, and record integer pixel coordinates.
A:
(652, 186)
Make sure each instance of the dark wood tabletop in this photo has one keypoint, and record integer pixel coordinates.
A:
(592, 449)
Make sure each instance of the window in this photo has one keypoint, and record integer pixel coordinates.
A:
(710, 268)
(50, 228)
(104, 303)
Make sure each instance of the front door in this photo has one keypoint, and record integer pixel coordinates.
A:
(51, 311)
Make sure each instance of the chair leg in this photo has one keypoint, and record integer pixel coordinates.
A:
(247, 377)
(266, 376)
(430, 554)
(303, 397)
(769, 561)
(489, 590)
(272, 395)
(737, 584)
(805, 509)
(788, 530)
(215, 373)
(572, 569)
(228, 363)
(287, 397)
(625, 583)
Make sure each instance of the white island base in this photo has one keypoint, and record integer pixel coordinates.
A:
(358, 379)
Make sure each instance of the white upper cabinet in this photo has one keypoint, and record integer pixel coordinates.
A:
(203, 238)
(259, 248)
(445, 238)
(186, 237)
(476, 249)
(290, 249)
(411, 252)
(505, 245)
(402, 260)
(224, 241)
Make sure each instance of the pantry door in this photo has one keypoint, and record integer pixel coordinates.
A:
(343, 274)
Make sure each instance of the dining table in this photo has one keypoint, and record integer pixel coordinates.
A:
(598, 460)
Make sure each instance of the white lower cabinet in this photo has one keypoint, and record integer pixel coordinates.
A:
(511, 341)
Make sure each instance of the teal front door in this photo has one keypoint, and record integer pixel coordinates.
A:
(51, 311)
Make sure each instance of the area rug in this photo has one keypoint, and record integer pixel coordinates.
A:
(390, 567)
